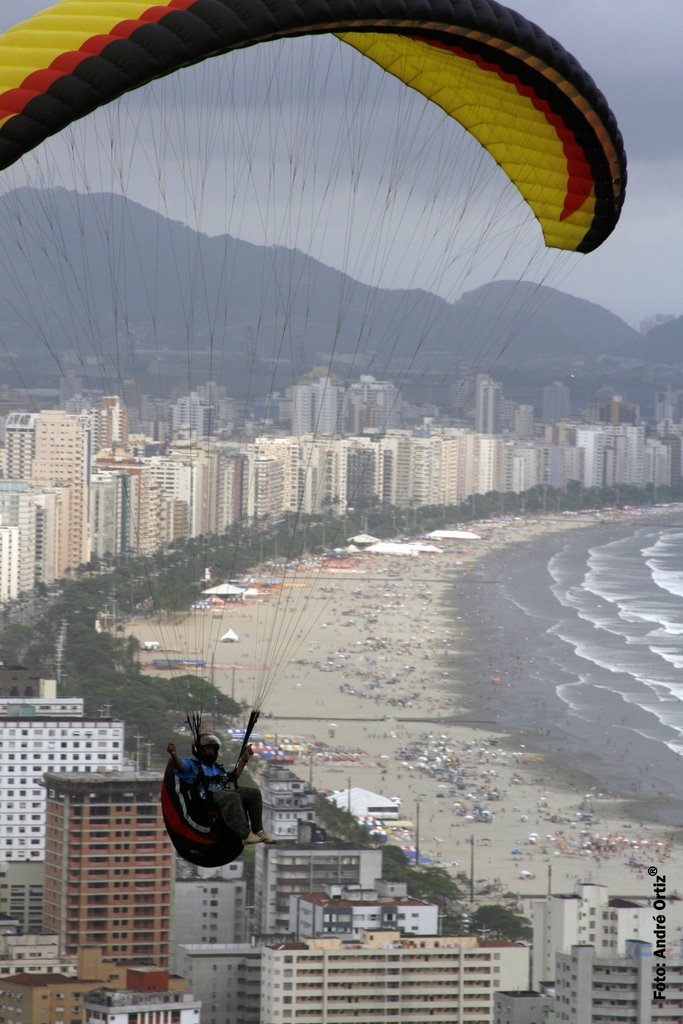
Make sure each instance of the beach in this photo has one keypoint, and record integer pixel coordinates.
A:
(416, 678)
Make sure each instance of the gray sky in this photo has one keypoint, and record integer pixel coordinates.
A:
(633, 51)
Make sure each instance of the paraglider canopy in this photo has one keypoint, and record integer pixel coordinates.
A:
(526, 100)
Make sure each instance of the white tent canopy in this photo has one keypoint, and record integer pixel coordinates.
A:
(226, 590)
(230, 637)
(363, 539)
(364, 803)
(389, 547)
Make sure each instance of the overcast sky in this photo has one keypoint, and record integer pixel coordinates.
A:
(633, 51)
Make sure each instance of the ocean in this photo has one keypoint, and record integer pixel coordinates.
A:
(576, 648)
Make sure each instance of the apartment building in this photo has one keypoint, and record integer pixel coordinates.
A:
(62, 459)
(347, 912)
(586, 916)
(108, 864)
(40, 732)
(287, 801)
(386, 977)
(291, 868)
(226, 977)
(594, 989)
(209, 905)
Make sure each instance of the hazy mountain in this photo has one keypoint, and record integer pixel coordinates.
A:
(665, 343)
(106, 288)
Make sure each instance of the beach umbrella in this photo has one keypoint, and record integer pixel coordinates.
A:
(517, 853)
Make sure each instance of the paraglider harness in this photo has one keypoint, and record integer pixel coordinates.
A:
(191, 816)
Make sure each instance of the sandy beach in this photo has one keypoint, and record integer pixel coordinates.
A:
(361, 659)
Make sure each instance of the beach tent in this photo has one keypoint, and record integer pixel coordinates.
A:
(389, 547)
(230, 637)
(362, 540)
(228, 591)
(363, 803)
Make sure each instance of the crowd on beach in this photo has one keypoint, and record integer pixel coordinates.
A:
(377, 683)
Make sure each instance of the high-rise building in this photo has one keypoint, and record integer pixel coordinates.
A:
(62, 459)
(263, 490)
(613, 989)
(488, 405)
(227, 979)
(209, 905)
(586, 916)
(108, 865)
(20, 507)
(591, 439)
(287, 800)
(556, 402)
(385, 976)
(317, 406)
(293, 868)
(194, 414)
(20, 445)
(523, 422)
(40, 732)
(372, 405)
(109, 423)
(141, 507)
(9, 563)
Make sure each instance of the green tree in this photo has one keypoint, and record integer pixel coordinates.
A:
(498, 922)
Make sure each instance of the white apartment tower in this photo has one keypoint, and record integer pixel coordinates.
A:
(488, 405)
(586, 916)
(10, 540)
(372, 405)
(385, 976)
(263, 493)
(20, 444)
(591, 440)
(192, 414)
(40, 732)
(20, 508)
(291, 868)
(38, 735)
(590, 988)
(317, 407)
(287, 800)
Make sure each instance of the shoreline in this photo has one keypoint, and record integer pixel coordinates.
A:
(374, 667)
(561, 736)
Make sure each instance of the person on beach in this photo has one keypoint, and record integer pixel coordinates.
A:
(241, 807)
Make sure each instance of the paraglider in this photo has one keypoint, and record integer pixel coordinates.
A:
(207, 816)
(529, 104)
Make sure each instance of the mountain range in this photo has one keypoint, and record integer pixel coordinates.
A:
(101, 287)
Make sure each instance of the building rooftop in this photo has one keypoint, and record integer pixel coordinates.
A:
(323, 899)
(85, 779)
(39, 980)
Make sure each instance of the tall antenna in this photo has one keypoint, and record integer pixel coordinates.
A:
(60, 646)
